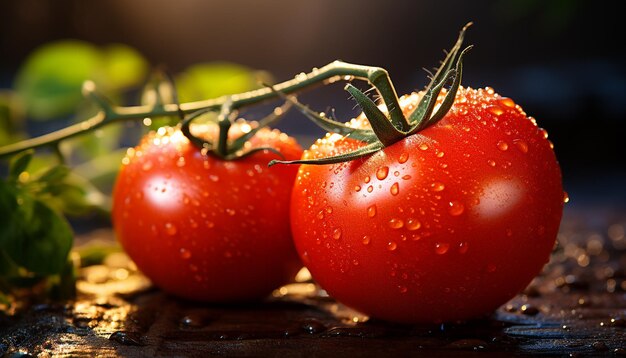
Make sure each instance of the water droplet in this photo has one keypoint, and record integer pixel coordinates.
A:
(437, 186)
(320, 215)
(185, 254)
(403, 158)
(170, 229)
(491, 268)
(502, 146)
(337, 234)
(402, 289)
(491, 163)
(456, 208)
(329, 210)
(441, 248)
(193, 223)
(463, 247)
(440, 154)
(209, 224)
(147, 165)
(565, 197)
(544, 133)
(180, 162)
(406, 177)
(392, 246)
(395, 189)
(521, 145)
(355, 262)
(357, 188)
(366, 240)
(214, 178)
(507, 102)
(371, 211)
(382, 172)
(423, 146)
(231, 212)
(366, 179)
(413, 224)
(495, 110)
(396, 223)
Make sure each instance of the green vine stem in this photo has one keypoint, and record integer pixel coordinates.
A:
(109, 113)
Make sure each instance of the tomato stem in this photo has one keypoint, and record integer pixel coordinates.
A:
(109, 113)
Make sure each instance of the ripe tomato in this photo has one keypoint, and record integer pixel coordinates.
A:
(203, 228)
(443, 225)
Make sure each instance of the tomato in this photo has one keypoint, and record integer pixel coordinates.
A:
(204, 228)
(443, 225)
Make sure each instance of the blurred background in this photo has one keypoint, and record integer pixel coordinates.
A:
(563, 61)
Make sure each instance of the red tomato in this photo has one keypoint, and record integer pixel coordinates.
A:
(203, 228)
(443, 225)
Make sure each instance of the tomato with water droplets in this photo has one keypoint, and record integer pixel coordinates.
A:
(204, 228)
(468, 218)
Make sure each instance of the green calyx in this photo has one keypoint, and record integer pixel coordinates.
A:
(224, 148)
(387, 129)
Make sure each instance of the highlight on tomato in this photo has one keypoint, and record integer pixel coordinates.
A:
(440, 214)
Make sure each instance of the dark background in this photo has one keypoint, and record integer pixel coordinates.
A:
(563, 61)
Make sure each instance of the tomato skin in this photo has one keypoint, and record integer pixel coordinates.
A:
(203, 228)
(444, 225)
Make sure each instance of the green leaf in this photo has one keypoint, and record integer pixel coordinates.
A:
(50, 80)
(19, 163)
(123, 67)
(33, 235)
(211, 80)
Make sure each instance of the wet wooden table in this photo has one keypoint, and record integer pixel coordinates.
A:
(576, 307)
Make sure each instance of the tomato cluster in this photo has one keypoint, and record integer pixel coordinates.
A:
(407, 216)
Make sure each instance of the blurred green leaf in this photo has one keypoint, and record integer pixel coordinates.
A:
(210, 80)
(123, 66)
(33, 235)
(51, 78)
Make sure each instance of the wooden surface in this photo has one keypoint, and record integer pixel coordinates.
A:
(576, 307)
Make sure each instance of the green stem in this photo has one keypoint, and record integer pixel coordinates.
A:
(330, 73)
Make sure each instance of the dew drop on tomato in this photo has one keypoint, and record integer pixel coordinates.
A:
(413, 224)
(396, 223)
(403, 158)
(185, 254)
(357, 188)
(382, 173)
(463, 247)
(503, 146)
(370, 189)
(395, 189)
(507, 102)
(456, 208)
(565, 197)
(437, 186)
(491, 163)
(337, 234)
(366, 240)
(170, 229)
(402, 289)
(371, 211)
(392, 246)
(441, 248)
(496, 110)
(521, 145)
